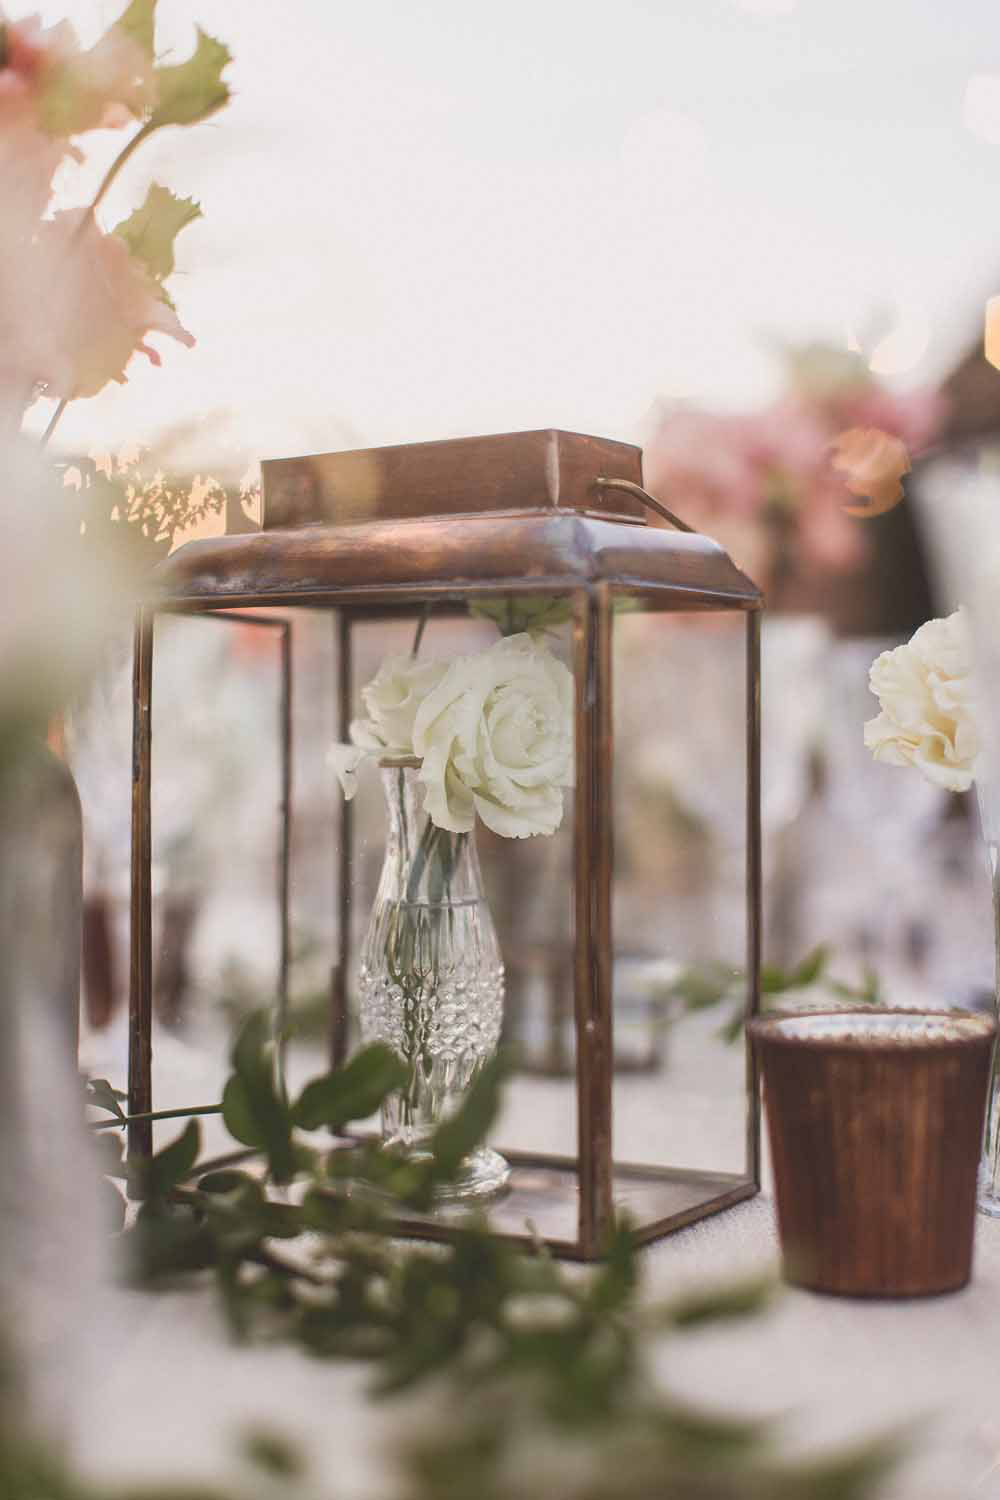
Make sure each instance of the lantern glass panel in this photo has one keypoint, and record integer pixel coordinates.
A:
(679, 891)
(216, 823)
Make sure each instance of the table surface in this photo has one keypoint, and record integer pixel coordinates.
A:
(168, 1396)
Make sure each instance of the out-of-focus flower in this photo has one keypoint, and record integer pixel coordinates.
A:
(495, 738)
(873, 465)
(925, 692)
(60, 595)
(775, 485)
(74, 311)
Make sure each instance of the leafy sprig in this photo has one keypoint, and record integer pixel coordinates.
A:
(551, 1365)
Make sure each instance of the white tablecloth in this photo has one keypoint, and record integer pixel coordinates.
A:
(168, 1396)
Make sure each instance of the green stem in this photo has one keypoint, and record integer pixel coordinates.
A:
(156, 1114)
(110, 175)
(418, 636)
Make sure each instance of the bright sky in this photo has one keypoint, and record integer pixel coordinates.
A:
(424, 221)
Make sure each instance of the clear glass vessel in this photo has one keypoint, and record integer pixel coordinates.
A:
(989, 1170)
(431, 979)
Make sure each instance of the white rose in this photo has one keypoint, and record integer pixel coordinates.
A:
(925, 692)
(496, 738)
(392, 698)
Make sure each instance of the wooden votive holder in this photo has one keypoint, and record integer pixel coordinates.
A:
(875, 1119)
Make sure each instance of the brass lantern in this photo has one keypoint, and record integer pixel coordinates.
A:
(434, 530)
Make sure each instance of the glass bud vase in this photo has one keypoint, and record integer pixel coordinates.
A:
(431, 980)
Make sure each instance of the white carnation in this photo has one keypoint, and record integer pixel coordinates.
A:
(495, 736)
(925, 692)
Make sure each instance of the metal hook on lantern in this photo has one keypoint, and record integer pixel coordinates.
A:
(646, 498)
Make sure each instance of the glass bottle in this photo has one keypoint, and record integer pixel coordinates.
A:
(431, 979)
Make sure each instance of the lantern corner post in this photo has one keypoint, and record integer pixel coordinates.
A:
(140, 1061)
(754, 885)
(340, 986)
(592, 625)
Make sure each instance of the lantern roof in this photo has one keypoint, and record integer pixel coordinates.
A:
(545, 510)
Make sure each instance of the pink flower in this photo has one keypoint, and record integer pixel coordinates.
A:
(699, 462)
(76, 308)
(67, 90)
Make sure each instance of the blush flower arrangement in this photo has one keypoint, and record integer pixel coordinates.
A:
(784, 486)
(488, 737)
(78, 300)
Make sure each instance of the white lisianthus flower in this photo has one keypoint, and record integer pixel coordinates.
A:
(495, 736)
(925, 692)
(392, 699)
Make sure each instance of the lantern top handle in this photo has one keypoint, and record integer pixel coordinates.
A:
(646, 498)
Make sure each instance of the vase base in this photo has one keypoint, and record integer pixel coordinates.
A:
(987, 1204)
(483, 1174)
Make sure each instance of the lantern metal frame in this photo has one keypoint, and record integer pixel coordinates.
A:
(381, 568)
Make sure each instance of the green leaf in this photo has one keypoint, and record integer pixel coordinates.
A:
(227, 1180)
(162, 1243)
(251, 1107)
(137, 23)
(192, 91)
(171, 1165)
(617, 1278)
(150, 230)
(712, 1305)
(274, 1454)
(101, 1095)
(353, 1092)
(775, 981)
(467, 1128)
(238, 1115)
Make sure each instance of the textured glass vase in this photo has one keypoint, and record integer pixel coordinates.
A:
(431, 980)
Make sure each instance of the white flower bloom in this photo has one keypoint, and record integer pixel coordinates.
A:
(392, 698)
(495, 736)
(925, 692)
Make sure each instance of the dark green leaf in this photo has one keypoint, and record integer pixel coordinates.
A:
(237, 1112)
(227, 1180)
(353, 1092)
(170, 1166)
